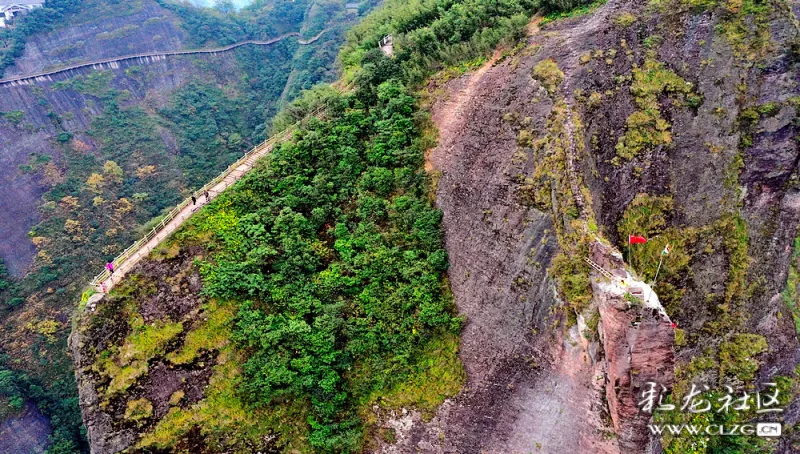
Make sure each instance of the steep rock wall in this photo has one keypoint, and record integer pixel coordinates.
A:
(35, 131)
(638, 348)
(531, 383)
(731, 186)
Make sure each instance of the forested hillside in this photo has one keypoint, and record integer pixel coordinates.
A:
(439, 259)
(92, 159)
(673, 120)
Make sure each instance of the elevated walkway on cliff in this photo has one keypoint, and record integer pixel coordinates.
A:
(146, 57)
(127, 260)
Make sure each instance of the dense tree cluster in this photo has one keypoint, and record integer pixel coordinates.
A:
(337, 256)
(433, 34)
(106, 190)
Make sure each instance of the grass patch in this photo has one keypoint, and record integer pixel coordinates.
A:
(736, 243)
(176, 397)
(649, 216)
(13, 116)
(95, 84)
(790, 294)
(625, 19)
(745, 25)
(437, 375)
(737, 356)
(118, 33)
(548, 74)
(565, 9)
(211, 335)
(138, 410)
(123, 365)
(572, 274)
(228, 422)
(646, 128)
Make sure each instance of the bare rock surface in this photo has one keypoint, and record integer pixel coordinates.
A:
(525, 379)
(638, 346)
(530, 388)
(175, 282)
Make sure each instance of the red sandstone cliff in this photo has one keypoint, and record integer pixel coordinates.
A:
(637, 342)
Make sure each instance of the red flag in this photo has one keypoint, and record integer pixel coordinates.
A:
(633, 239)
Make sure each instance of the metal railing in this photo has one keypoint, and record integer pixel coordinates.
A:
(99, 64)
(136, 247)
(600, 269)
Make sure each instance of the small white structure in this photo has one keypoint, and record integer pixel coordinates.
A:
(9, 8)
(387, 46)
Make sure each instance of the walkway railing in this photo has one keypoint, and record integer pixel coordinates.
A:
(157, 55)
(249, 158)
(600, 269)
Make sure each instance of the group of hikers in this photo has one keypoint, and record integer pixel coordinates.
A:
(194, 199)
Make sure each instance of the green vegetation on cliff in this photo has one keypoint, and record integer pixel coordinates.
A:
(646, 128)
(430, 35)
(335, 257)
(12, 41)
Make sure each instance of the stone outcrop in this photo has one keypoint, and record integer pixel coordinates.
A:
(637, 343)
(102, 326)
(103, 437)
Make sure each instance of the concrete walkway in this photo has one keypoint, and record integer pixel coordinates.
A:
(106, 282)
(147, 57)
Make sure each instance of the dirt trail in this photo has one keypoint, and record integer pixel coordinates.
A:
(530, 387)
(449, 118)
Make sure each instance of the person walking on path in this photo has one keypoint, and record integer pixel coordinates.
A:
(194, 200)
(206, 196)
(110, 267)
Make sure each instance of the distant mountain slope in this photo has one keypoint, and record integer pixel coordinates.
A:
(93, 33)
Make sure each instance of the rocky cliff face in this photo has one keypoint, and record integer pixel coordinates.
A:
(684, 121)
(109, 31)
(637, 340)
(91, 38)
(34, 132)
(672, 120)
(109, 427)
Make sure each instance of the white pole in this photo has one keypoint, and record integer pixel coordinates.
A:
(658, 269)
(653, 282)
